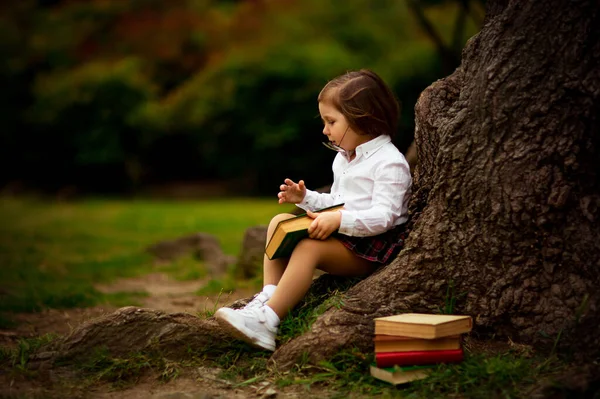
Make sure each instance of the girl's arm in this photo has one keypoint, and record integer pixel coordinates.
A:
(392, 182)
(313, 201)
(297, 193)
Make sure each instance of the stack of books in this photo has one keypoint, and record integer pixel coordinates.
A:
(408, 345)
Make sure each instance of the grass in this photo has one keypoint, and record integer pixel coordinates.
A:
(52, 253)
(507, 375)
(304, 315)
(18, 357)
(512, 374)
(122, 371)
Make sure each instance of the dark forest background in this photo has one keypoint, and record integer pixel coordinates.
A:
(116, 97)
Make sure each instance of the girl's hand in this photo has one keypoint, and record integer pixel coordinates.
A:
(324, 224)
(292, 192)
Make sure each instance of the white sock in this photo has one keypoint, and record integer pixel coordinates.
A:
(269, 290)
(272, 317)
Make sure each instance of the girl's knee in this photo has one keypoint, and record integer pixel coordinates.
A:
(282, 216)
(275, 221)
(305, 244)
(310, 247)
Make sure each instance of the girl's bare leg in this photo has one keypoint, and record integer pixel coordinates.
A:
(329, 255)
(273, 269)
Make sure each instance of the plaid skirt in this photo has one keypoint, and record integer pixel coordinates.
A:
(381, 248)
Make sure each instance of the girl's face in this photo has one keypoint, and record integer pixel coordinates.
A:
(337, 130)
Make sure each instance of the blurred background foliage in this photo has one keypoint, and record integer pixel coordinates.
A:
(113, 96)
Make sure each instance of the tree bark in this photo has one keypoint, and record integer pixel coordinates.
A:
(132, 329)
(506, 193)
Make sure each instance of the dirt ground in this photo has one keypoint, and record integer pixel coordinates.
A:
(164, 293)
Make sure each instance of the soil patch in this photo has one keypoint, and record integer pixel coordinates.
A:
(198, 383)
(48, 321)
(172, 296)
(164, 293)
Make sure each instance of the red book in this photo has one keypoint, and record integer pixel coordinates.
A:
(390, 359)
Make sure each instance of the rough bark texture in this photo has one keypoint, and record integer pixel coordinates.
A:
(132, 329)
(507, 197)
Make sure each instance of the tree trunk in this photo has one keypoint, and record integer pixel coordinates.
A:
(506, 197)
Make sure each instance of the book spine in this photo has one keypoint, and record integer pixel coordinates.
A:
(289, 243)
(390, 343)
(390, 359)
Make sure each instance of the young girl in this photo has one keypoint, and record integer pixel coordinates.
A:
(371, 178)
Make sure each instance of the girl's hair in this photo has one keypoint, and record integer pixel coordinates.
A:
(365, 100)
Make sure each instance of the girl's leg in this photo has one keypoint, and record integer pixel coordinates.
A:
(329, 255)
(273, 269)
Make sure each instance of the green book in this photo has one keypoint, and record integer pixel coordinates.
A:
(289, 232)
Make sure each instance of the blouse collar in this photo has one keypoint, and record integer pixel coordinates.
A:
(370, 147)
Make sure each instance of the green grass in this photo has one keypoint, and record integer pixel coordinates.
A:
(52, 253)
(126, 370)
(303, 316)
(18, 358)
(506, 375)
(512, 374)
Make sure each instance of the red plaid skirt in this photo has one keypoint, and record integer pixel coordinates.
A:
(381, 248)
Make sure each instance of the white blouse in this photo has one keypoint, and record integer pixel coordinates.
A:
(374, 187)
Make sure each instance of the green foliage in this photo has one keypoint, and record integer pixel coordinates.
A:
(145, 90)
(252, 109)
(82, 115)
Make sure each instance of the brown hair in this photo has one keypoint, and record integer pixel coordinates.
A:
(365, 100)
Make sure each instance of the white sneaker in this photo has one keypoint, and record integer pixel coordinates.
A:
(249, 325)
(258, 301)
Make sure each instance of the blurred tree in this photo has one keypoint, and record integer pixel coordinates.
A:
(81, 119)
(229, 87)
(16, 71)
(448, 50)
(249, 105)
